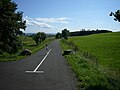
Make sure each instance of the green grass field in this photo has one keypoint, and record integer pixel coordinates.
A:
(28, 43)
(106, 47)
(97, 61)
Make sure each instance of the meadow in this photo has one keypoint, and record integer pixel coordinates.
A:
(96, 61)
(28, 43)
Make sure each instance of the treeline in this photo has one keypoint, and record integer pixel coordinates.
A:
(87, 32)
(64, 34)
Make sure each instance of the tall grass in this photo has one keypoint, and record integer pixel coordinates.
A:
(97, 61)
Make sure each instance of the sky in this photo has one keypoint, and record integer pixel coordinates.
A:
(52, 16)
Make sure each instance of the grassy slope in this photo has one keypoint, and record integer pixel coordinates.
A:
(105, 49)
(28, 43)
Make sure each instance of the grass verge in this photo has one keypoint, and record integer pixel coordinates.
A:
(28, 43)
(92, 71)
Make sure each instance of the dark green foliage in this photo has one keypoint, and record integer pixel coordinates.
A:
(10, 24)
(39, 37)
(58, 35)
(116, 15)
(20, 33)
(43, 36)
(65, 33)
(84, 32)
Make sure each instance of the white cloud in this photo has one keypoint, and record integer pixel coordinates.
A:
(33, 22)
(54, 20)
(42, 25)
(43, 22)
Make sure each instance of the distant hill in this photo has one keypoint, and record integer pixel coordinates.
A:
(49, 34)
(29, 34)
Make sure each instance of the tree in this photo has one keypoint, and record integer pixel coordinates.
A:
(39, 37)
(65, 33)
(43, 36)
(116, 15)
(20, 33)
(58, 35)
(10, 24)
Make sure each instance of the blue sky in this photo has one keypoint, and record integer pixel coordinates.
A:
(52, 16)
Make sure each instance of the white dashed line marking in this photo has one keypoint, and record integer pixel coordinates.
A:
(35, 70)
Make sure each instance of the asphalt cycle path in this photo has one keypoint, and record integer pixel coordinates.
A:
(44, 70)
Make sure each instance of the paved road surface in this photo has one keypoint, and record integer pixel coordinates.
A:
(56, 74)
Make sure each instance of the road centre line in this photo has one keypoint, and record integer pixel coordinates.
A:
(42, 61)
(35, 70)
